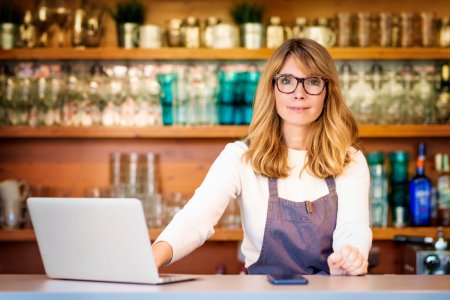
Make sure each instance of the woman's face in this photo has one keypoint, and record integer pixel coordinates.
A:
(298, 109)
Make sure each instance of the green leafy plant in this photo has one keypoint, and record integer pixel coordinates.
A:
(246, 12)
(9, 13)
(131, 11)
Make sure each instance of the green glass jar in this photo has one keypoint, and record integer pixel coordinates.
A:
(398, 181)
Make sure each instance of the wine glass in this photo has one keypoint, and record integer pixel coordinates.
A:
(61, 17)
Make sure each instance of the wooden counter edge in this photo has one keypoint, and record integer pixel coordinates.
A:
(235, 234)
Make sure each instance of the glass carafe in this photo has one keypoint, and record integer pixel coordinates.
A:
(392, 96)
(376, 75)
(362, 96)
(345, 76)
(421, 107)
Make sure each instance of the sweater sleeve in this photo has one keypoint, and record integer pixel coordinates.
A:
(353, 224)
(194, 224)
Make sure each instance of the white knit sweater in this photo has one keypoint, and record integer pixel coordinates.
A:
(231, 178)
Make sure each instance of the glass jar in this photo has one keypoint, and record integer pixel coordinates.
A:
(420, 110)
(385, 29)
(344, 23)
(378, 189)
(407, 29)
(392, 96)
(191, 33)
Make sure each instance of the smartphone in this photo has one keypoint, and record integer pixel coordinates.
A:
(287, 279)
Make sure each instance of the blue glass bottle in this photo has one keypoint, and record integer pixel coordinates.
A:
(420, 193)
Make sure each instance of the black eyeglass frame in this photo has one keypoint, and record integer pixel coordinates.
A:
(300, 80)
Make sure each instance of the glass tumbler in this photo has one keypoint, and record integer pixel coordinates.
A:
(344, 29)
(406, 28)
(385, 29)
(364, 34)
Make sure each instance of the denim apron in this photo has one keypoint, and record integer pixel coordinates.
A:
(298, 236)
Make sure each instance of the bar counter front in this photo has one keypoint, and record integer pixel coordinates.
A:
(233, 287)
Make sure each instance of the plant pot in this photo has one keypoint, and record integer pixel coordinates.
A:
(128, 35)
(8, 35)
(252, 35)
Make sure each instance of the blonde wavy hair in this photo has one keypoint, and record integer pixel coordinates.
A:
(329, 137)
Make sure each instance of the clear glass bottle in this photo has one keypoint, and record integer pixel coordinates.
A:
(299, 27)
(191, 32)
(444, 32)
(420, 192)
(378, 189)
(443, 189)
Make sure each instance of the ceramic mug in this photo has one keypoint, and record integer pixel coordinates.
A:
(321, 34)
(150, 36)
(12, 194)
(225, 36)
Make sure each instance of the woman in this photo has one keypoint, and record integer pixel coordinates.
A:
(298, 177)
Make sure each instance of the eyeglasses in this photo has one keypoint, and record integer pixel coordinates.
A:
(287, 84)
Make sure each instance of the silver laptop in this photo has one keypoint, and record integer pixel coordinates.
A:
(95, 239)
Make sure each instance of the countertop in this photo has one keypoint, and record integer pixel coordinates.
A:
(233, 287)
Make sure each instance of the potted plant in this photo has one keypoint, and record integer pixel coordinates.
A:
(249, 18)
(9, 23)
(129, 15)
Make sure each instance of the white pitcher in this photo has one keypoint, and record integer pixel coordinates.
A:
(13, 193)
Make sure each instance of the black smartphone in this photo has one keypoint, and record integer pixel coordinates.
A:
(287, 279)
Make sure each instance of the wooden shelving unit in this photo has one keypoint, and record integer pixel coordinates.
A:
(114, 53)
(366, 131)
(223, 234)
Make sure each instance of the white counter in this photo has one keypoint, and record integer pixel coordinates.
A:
(233, 287)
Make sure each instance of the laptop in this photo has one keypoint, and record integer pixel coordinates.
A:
(95, 239)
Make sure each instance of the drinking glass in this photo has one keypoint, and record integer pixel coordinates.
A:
(428, 29)
(385, 29)
(344, 20)
(168, 95)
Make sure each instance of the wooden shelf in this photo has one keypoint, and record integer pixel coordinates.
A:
(222, 234)
(366, 131)
(113, 53)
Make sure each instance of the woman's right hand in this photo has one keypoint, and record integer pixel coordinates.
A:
(162, 253)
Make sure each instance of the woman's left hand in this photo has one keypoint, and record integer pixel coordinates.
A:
(348, 261)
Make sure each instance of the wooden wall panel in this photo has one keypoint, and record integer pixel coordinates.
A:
(71, 166)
